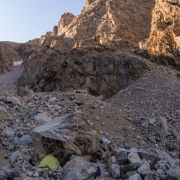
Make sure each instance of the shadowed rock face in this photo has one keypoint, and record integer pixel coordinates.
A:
(86, 51)
(163, 43)
(25, 50)
(7, 56)
(101, 73)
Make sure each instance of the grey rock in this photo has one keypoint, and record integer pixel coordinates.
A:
(114, 171)
(135, 177)
(16, 140)
(13, 100)
(13, 158)
(173, 174)
(145, 155)
(144, 169)
(150, 176)
(123, 176)
(52, 100)
(78, 169)
(2, 175)
(127, 146)
(42, 118)
(25, 140)
(158, 155)
(10, 133)
(129, 167)
(133, 150)
(121, 157)
(15, 172)
(164, 165)
(152, 121)
(162, 127)
(105, 141)
(160, 172)
(134, 158)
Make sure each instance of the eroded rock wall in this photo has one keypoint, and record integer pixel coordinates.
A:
(163, 43)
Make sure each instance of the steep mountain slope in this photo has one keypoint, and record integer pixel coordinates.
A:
(81, 52)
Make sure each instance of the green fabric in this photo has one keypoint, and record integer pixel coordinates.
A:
(49, 161)
(91, 177)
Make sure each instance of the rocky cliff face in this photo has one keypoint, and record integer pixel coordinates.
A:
(164, 42)
(85, 51)
(108, 23)
(26, 49)
(7, 56)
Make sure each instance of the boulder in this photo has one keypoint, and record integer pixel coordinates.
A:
(42, 118)
(13, 158)
(122, 158)
(10, 133)
(157, 155)
(173, 174)
(111, 160)
(129, 167)
(144, 169)
(114, 171)
(14, 100)
(25, 140)
(164, 165)
(135, 177)
(66, 136)
(162, 127)
(134, 158)
(78, 169)
(151, 176)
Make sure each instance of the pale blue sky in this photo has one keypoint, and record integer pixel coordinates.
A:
(22, 20)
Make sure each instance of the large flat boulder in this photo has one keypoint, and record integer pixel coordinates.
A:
(66, 136)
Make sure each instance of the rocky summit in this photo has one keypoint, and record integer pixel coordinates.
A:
(100, 93)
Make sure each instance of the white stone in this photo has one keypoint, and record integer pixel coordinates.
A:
(134, 158)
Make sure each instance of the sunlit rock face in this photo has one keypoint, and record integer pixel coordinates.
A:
(164, 41)
(113, 24)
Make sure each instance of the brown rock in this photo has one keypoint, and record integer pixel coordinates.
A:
(92, 159)
(105, 156)
(111, 160)
(164, 42)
